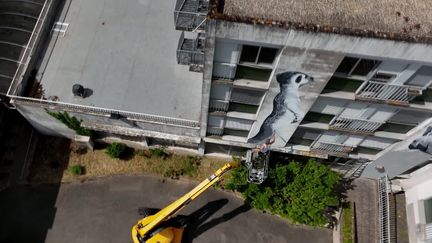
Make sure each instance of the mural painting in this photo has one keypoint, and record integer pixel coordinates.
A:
(424, 143)
(286, 108)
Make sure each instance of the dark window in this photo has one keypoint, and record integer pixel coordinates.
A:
(243, 108)
(234, 132)
(249, 53)
(428, 210)
(253, 73)
(347, 65)
(383, 77)
(364, 67)
(267, 55)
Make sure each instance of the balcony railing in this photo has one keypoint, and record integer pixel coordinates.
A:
(190, 15)
(219, 105)
(215, 131)
(354, 125)
(190, 51)
(329, 148)
(245, 97)
(387, 93)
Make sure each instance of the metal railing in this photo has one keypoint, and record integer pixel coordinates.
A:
(384, 92)
(331, 148)
(56, 105)
(16, 84)
(219, 105)
(189, 51)
(354, 125)
(384, 209)
(245, 98)
(189, 21)
(224, 70)
(217, 131)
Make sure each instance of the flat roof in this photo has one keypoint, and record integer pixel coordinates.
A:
(396, 163)
(125, 53)
(393, 19)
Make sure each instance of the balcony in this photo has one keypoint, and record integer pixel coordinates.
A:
(249, 97)
(190, 15)
(190, 51)
(329, 148)
(354, 125)
(218, 106)
(215, 131)
(387, 93)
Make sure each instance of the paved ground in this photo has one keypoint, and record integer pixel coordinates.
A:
(104, 210)
(364, 195)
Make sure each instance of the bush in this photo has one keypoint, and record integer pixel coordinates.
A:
(77, 170)
(302, 193)
(71, 122)
(159, 152)
(115, 150)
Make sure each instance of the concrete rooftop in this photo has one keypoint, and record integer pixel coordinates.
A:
(407, 19)
(125, 53)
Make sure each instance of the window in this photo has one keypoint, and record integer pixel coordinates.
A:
(258, 54)
(383, 77)
(364, 67)
(356, 66)
(251, 73)
(428, 210)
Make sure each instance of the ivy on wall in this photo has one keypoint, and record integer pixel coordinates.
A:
(71, 122)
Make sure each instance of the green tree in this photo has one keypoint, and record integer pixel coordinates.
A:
(299, 192)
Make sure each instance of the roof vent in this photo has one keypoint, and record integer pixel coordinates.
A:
(78, 90)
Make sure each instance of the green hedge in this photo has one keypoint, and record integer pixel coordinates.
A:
(301, 193)
(115, 150)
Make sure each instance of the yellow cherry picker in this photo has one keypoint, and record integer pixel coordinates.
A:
(164, 227)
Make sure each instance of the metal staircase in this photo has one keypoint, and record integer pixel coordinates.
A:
(190, 15)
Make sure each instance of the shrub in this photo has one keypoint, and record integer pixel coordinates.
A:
(71, 122)
(115, 150)
(77, 170)
(159, 152)
(302, 193)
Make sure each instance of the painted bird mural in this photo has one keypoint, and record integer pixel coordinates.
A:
(286, 106)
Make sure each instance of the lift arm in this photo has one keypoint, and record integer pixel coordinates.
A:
(146, 225)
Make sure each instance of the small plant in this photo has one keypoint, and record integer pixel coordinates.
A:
(173, 173)
(77, 170)
(115, 150)
(190, 164)
(159, 152)
(70, 121)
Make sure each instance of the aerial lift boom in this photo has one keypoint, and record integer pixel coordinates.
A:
(158, 228)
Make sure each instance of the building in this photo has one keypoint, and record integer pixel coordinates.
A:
(225, 76)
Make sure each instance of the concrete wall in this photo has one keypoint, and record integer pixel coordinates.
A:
(317, 55)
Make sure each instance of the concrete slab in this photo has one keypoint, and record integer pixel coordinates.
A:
(124, 52)
(104, 210)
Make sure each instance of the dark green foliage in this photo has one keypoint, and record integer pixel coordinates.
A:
(115, 150)
(299, 192)
(159, 152)
(77, 170)
(71, 122)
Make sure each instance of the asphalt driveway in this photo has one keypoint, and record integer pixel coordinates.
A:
(103, 210)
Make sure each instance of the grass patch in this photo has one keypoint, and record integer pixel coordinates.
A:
(97, 164)
(347, 223)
